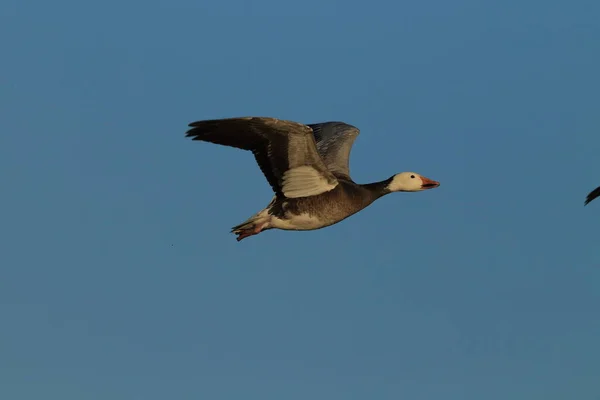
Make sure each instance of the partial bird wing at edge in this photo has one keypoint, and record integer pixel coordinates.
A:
(592, 195)
(334, 143)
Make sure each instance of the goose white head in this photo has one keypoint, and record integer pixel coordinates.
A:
(410, 182)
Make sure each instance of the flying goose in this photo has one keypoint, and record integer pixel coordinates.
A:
(307, 167)
(593, 194)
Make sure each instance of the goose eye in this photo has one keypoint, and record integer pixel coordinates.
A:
(412, 177)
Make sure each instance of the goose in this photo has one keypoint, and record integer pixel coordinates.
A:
(307, 168)
(592, 195)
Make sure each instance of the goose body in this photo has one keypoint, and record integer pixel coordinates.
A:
(307, 168)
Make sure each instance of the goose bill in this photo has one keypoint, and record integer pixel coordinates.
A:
(429, 183)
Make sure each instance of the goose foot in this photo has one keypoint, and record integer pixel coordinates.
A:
(244, 233)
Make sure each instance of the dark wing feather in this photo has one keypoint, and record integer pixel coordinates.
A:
(334, 143)
(238, 133)
(593, 194)
(277, 145)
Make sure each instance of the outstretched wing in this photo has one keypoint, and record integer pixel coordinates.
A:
(334, 143)
(593, 194)
(285, 151)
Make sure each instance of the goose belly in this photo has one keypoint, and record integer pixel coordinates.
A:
(300, 222)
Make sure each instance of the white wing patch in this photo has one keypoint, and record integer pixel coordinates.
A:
(304, 181)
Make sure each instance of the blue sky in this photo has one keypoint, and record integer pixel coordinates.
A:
(120, 278)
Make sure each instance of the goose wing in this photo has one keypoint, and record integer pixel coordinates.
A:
(285, 151)
(593, 194)
(334, 143)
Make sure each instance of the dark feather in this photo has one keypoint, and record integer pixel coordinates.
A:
(593, 194)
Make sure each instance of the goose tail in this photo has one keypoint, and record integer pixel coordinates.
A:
(253, 225)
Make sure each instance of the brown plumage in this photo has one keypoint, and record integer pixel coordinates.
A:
(307, 168)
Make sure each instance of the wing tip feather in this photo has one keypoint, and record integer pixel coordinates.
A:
(592, 195)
